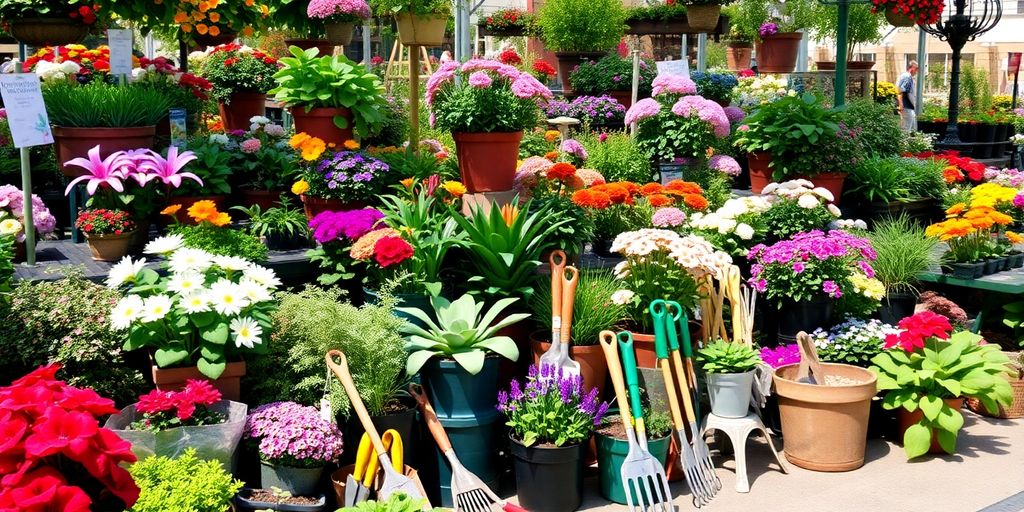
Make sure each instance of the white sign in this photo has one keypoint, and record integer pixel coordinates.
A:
(679, 67)
(120, 42)
(26, 112)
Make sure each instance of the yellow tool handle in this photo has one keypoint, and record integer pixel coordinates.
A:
(364, 459)
(673, 401)
(684, 388)
(340, 370)
(611, 355)
(396, 450)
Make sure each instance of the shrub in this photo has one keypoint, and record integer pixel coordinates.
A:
(886, 180)
(617, 157)
(223, 241)
(903, 253)
(880, 133)
(187, 483)
(612, 73)
(571, 26)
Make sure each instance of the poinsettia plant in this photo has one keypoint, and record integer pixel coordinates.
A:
(189, 407)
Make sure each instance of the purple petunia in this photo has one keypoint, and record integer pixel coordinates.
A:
(330, 226)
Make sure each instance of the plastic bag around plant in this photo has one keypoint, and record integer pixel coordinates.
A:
(211, 442)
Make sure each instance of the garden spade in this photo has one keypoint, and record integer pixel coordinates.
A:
(563, 296)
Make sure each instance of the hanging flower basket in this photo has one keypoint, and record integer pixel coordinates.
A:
(898, 19)
(40, 32)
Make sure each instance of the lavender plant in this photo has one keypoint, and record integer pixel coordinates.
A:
(551, 408)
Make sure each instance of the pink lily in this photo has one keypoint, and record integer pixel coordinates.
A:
(130, 167)
(106, 171)
(168, 170)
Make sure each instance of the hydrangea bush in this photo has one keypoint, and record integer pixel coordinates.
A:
(292, 435)
(676, 123)
(487, 97)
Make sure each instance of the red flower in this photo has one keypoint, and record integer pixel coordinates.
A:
(918, 328)
(60, 430)
(542, 67)
(561, 171)
(391, 250)
(156, 401)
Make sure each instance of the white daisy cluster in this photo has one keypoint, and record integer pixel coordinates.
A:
(198, 282)
(806, 194)
(691, 252)
(727, 220)
(56, 70)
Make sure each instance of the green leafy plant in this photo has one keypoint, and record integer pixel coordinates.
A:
(460, 332)
(212, 165)
(397, 502)
(386, 8)
(657, 12)
(786, 129)
(716, 87)
(98, 104)
(853, 342)
(864, 25)
(790, 15)
(222, 241)
(550, 408)
(879, 129)
(612, 73)
(893, 179)
(904, 251)
(484, 96)
(394, 127)
(570, 26)
(281, 221)
(430, 232)
(233, 68)
(723, 357)
(593, 310)
(333, 81)
(1013, 317)
(187, 481)
(617, 157)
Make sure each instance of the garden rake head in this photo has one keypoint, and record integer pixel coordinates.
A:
(644, 479)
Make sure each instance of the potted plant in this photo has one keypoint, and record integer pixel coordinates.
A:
(702, 15)
(775, 26)
(282, 228)
(597, 112)
(797, 206)
(568, 29)
(612, 75)
(210, 231)
(739, 40)
(613, 447)
(420, 22)
(551, 419)
(100, 114)
(863, 27)
(219, 299)
(213, 166)
(262, 152)
(551, 190)
(803, 275)
(109, 232)
(210, 24)
(729, 368)
(486, 105)
(717, 87)
(1016, 377)
(895, 186)
(187, 481)
(241, 77)
(904, 252)
(855, 342)
(330, 97)
(508, 23)
(734, 228)
(186, 91)
(339, 17)
(295, 444)
(42, 23)
(972, 234)
(928, 375)
(656, 19)
(339, 179)
(167, 423)
(906, 13)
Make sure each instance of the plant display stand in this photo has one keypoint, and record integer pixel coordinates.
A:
(738, 429)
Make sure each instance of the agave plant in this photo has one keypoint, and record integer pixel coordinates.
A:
(460, 333)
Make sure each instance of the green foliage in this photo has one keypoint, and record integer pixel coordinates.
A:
(222, 241)
(864, 26)
(461, 107)
(460, 333)
(959, 367)
(534, 144)
(315, 320)
(747, 16)
(668, 136)
(593, 310)
(788, 128)
(618, 158)
(903, 253)
(880, 133)
(282, 221)
(212, 165)
(398, 502)
(331, 81)
(724, 357)
(386, 8)
(67, 321)
(612, 73)
(891, 179)
(657, 12)
(574, 227)
(6, 266)
(102, 105)
(394, 128)
(571, 25)
(787, 218)
(188, 482)
(961, 194)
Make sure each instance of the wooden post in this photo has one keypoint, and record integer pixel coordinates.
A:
(414, 98)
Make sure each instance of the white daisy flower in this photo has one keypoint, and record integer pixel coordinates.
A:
(247, 332)
(10, 227)
(622, 296)
(195, 302)
(227, 298)
(156, 307)
(165, 244)
(126, 311)
(186, 283)
(254, 291)
(808, 201)
(262, 275)
(231, 263)
(125, 271)
(187, 258)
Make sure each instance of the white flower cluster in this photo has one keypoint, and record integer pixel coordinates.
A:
(690, 252)
(56, 70)
(1018, 139)
(756, 91)
(854, 332)
(848, 224)
(9, 225)
(257, 123)
(724, 220)
(199, 282)
(807, 195)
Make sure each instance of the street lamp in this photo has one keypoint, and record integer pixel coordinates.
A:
(964, 22)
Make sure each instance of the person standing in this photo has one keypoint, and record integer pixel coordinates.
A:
(907, 102)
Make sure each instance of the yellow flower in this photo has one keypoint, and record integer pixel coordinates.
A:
(10, 227)
(300, 187)
(710, 152)
(220, 219)
(298, 139)
(454, 188)
(351, 145)
(170, 210)
(1014, 238)
(509, 214)
(407, 183)
(247, 31)
(551, 135)
(312, 149)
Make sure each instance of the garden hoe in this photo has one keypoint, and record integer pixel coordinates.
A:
(393, 480)
(702, 485)
(469, 493)
(643, 476)
(563, 296)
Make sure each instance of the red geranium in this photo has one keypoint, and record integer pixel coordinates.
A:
(510, 57)
(391, 250)
(543, 68)
(917, 328)
(188, 407)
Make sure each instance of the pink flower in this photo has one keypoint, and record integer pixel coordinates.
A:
(603, 137)
(1018, 200)
(168, 170)
(444, 74)
(798, 267)
(706, 110)
(672, 84)
(250, 146)
(725, 164)
(105, 171)
(526, 86)
(480, 80)
(832, 289)
(324, 9)
(668, 217)
(481, 65)
(643, 109)
(735, 114)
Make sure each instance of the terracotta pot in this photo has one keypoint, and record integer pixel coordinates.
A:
(833, 181)
(40, 32)
(76, 143)
(906, 419)
(324, 46)
(421, 30)
(339, 33)
(623, 97)
(240, 108)
(703, 17)
(110, 247)
(174, 379)
(208, 39)
(593, 366)
(314, 205)
(567, 62)
(777, 53)
(487, 161)
(187, 201)
(760, 172)
(851, 65)
(266, 199)
(898, 19)
(319, 122)
(738, 57)
(825, 427)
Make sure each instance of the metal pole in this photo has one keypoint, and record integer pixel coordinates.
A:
(922, 58)
(702, 49)
(952, 137)
(685, 47)
(459, 4)
(1013, 105)
(801, 54)
(839, 85)
(367, 51)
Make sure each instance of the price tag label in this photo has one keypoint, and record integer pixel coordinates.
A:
(26, 112)
(120, 42)
(679, 67)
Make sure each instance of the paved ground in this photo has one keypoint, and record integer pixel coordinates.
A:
(988, 469)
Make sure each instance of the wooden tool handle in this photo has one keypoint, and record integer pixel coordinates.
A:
(684, 388)
(611, 354)
(673, 401)
(809, 360)
(340, 370)
(433, 424)
(568, 300)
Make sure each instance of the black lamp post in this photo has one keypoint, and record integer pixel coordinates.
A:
(960, 23)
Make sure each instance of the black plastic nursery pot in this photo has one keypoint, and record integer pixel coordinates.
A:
(897, 306)
(805, 316)
(967, 270)
(243, 503)
(548, 479)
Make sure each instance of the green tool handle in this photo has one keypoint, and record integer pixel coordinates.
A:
(632, 382)
(673, 331)
(684, 327)
(659, 310)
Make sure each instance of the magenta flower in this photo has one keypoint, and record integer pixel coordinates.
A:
(480, 80)
(798, 268)
(107, 171)
(1018, 200)
(643, 109)
(781, 355)
(168, 170)
(672, 84)
(832, 289)
(324, 9)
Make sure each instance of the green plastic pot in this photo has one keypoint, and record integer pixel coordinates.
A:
(611, 453)
(457, 394)
(476, 441)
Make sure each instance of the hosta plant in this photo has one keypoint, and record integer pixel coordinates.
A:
(723, 357)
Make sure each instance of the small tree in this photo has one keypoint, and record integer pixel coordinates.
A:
(864, 27)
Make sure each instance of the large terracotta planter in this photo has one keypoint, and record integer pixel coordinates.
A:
(324, 46)
(832, 181)
(40, 32)
(760, 172)
(703, 17)
(421, 30)
(777, 53)
(825, 427)
(110, 247)
(174, 379)
(567, 62)
(319, 122)
(738, 56)
(339, 33)
(265, 199)
(487, 161)
(625, 98)
(906, 419)
(312, 205)
(76, 143)
(593, 365)
(240, 108)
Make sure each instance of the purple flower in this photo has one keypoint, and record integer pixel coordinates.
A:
(798, 267)
(781, 355)
(250, 146)
(287, 431)
(866, 268)
(706, 110)
(768, 29)
(329, 226)
(832, 289)
(574, 148)
(669, 217)
(480, 80)
(672, 84)
(735, 114)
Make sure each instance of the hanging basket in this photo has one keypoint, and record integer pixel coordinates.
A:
(41, 32)
(339, 33)
(703, 18)
(421, 30)
(898, 19)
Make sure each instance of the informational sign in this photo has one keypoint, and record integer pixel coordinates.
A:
(120, 42)
(679, 67)
(670, 173)
(26, 112)
(179, 128)
(1013, 64)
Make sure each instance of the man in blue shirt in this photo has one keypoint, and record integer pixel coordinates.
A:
(907, 102)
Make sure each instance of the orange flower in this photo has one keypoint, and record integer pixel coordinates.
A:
(551, 155)
(351, 145)
(652, 188)
(299, 139)
(250, 3)
(952, 175)
(509, 213)
(214, 30)
(186, 28)
(617, 192)
(659, 200)
(695, 201)
(202, 29)
(407, 183)
(956, 209)
(561, 171)
(590, 198)
(202, 210)
(551, 135)
(214, 17)
(180, 17)
(170, 210)
(247, 31)
(686, 187)
(221, 219)
(1014, 238)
